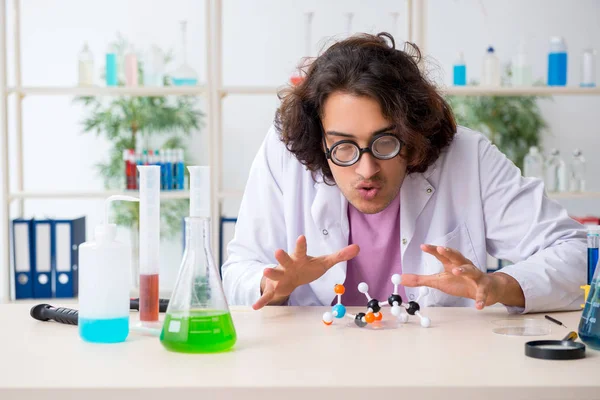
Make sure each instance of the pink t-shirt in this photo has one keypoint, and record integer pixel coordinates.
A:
(378, 236)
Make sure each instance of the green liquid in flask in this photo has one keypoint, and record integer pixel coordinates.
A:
(203, 331)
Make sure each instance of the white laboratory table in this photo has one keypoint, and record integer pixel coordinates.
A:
(288, 353)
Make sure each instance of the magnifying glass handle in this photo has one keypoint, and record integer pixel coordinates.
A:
(571, 336)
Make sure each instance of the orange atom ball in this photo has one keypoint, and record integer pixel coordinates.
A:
(378, 316)
(339, 289)
(370, 317)
(328, 323)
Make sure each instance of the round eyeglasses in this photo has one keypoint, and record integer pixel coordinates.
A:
(346, 152)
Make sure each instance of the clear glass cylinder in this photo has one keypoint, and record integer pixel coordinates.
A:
(198, 318)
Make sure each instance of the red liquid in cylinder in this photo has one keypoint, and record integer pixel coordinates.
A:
(149, 298)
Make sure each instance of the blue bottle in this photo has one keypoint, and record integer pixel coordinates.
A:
(112, 78)
(179, 170)
(169, 169)
(557, 62)
(460, 71)
(593, 241)
(589, 324)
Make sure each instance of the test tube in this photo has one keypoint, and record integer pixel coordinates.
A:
(149, 242)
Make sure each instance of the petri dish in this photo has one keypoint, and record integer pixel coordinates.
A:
(521, 327)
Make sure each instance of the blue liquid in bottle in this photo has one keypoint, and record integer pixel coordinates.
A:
(557, 69)
(112, 330)
(592, 262)
(589, 325)
(460, 75)
(111, 70)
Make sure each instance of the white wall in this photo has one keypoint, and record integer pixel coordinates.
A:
(263, 39)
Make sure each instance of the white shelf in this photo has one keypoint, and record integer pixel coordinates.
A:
(273, 90)
(250, 90)
(574, 195)
(519, 91)
(98, 194)
(107, 91)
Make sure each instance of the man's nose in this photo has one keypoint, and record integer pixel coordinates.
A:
(367, 166)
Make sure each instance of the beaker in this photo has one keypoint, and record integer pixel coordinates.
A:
(198, 318)
(589, 326)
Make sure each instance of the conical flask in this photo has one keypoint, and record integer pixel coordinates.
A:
(198, 318)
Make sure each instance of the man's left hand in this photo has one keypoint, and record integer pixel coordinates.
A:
(463, 279)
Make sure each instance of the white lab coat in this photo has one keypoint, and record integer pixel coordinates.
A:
(472, 199)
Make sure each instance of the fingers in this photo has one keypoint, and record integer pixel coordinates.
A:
(410, 280)
(345, 254)
(267, 296)
(274, 274)
(467, 271)
(427, 248)
(283, 258)
(481, 296)
(454, 256)
(300, 247)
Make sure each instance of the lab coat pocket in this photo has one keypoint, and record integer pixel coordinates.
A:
(458, 239)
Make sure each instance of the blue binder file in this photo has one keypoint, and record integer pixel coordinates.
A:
(68, 235)
(42, 259)
(22, 233)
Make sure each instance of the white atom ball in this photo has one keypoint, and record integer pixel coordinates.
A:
(327, 317)
(403, 318)
(363, 287)
(396, 279)
(425, 322)
(396, 310)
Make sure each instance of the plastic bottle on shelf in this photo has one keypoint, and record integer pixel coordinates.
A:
(112, 70)
(588, 68)
(521, 69)
(460, 71)
(490, 75)
(577, 172)
(533, 164)
(557, 62)
(555, 173)
(86, 66)
(154, 67)
(131, 68)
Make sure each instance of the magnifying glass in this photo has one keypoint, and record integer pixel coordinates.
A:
(565, 349)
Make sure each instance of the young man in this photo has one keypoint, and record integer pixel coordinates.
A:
(365, 174)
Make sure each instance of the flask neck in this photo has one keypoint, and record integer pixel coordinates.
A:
(197, 232)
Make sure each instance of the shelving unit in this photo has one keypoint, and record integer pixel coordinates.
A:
(214, 91)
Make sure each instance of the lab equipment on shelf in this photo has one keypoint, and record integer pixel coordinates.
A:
(112, 70)
(555, 173)
(588, 68)
(170, 161)
(577, 172)
(86, 66)
(521, 74)
(490, 74)
(533, 164)
(184, 75)
(557, 62)
(459, 70)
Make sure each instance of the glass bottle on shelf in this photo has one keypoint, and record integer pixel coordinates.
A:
(184, 75)
(86, 66)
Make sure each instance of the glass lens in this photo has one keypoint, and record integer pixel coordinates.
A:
(344, 153)
(386, 147)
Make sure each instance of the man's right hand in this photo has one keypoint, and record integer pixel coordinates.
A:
(297, 269)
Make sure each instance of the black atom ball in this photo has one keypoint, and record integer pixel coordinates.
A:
(358, 320)
(395, 298)
(374, 305)
(413, 307)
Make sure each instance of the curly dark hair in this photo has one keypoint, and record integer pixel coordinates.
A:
(367, 65)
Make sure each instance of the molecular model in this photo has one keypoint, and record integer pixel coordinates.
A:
(374, 306)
